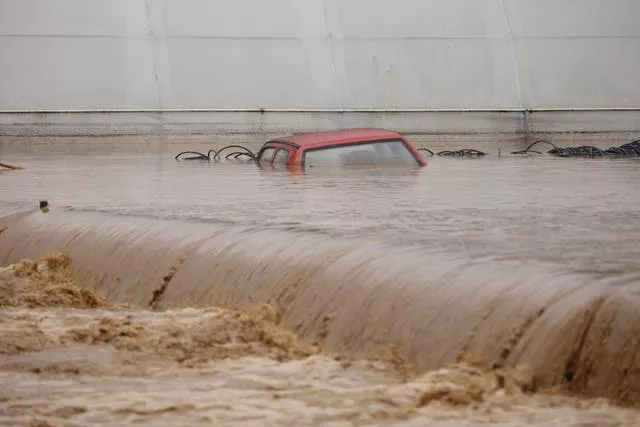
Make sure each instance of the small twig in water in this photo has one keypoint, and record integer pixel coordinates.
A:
(12, 167)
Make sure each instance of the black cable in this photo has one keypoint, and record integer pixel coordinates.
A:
(237, 154)
(465, 152)
(540, 141)
(198, 156)
(631, 149)
(247, 152)
(240, 154)
(215, 155)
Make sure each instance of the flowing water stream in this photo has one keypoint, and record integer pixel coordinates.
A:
(519, 260)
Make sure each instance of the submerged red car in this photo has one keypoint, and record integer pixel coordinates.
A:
(342, 147)
(364, 147)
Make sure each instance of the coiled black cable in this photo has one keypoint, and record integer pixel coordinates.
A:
(528, 149)
(465, 152)
(216, 154)
(197, 156)
(426, 150)
(582, 151)
(631, 149)
(236, 154)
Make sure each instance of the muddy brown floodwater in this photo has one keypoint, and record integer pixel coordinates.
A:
(70, 357)
(499, 290)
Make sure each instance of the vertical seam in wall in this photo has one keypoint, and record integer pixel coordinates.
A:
(332, 53)
(154, 52)
(513, 55)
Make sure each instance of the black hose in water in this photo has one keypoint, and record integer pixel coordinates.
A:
(465, 152)
(631, 149)
(425, 150)
(237, 154)
(215, 155)
(197, 155)
(528, 149)
(582, 151)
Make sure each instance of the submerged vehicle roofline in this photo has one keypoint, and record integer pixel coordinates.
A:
(336, 137)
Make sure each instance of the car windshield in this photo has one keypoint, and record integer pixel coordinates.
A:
(393, 152)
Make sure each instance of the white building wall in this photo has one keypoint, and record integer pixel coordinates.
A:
(577, 53)
(401, 54)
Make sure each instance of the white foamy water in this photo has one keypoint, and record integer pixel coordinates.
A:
(91, 369)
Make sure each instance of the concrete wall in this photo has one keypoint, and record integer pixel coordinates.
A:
(60, 54)
(318, 54)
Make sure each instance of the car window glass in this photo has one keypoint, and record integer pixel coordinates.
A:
(267, 154)
(282, 156)
(371, 153)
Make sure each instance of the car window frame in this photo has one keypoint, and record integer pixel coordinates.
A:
(279, 149)
(265, 148)
(356, 143)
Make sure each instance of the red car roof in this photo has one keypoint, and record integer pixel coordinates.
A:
(308, 140)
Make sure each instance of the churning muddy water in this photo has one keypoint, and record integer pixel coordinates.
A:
(226, 294)
(70, 357)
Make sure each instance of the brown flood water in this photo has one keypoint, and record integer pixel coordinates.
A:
(70, 357)
(528, 264)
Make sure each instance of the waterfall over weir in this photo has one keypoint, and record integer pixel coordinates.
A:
(569, 326)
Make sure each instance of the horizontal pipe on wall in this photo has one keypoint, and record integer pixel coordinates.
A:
(323, 110)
